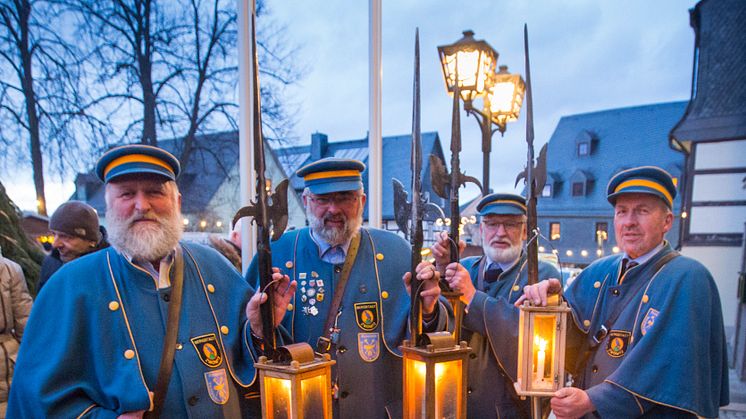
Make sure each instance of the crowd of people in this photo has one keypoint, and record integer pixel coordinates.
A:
(132, 321)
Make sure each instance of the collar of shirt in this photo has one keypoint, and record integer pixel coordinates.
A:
(324, 246)
(644, 258)
(161, 277)
(504, 266)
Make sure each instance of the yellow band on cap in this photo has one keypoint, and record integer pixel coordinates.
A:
(648, 184)
(136, 158)
(507, 201)
(331, 174)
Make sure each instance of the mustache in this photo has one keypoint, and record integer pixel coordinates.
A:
(498, 241)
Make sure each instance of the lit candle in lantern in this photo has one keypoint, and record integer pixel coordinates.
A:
(541, 357)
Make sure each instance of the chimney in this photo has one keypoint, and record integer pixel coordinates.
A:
(319, 142)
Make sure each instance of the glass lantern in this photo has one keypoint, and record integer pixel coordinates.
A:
(472, 62)
(541, 349)
(296, 384)
(435, 378)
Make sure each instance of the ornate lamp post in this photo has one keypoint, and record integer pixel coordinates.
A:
(502, 93)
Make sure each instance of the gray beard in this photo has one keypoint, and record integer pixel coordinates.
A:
(331, 235)
(148, 242)
(502, 256)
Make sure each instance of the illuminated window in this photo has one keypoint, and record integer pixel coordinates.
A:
(602, 232)
(584, 148)
(547, 191)
(554, 231)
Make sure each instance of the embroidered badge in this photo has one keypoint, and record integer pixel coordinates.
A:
(368, 346)
(648, 321)
(617, 343)
(366, 315)
(217, 386)
(208, 350)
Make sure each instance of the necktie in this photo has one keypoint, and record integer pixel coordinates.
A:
(626, 265)
(491, 274)
(335, 255)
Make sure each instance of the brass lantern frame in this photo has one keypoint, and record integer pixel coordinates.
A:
(535, 322)
(295, 383)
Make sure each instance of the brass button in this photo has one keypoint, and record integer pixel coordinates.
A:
(615, 292)
(516, 287)
(290, 306)
(179, 346)
(129, 354)
(645, 298)
(224, 330)
(211, 288)
(595, 368)
(586, 323)
(113, 306)
(597, 284)
(379, 256)
(289, 264)
(385, 295)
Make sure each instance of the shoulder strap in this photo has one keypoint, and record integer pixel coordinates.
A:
(169, 342)
(339, 290)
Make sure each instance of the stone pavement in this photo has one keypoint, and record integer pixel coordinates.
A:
(737, 407)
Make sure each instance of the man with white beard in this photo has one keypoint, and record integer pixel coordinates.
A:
(490, 284)
(352, 300)
(99, 343)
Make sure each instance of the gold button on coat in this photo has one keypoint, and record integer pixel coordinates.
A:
(289, 264)
(516, 287)
(224, 330)
(210, 288)
(290, 306)
(645, 298)
(113, 306)
(597, 284)
(586, 323)
(385, 294)
(379, 256)
(129, 354)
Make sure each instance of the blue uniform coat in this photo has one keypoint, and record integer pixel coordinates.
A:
(665, 355)
(373, 319)
(491, 328)
(93, 342)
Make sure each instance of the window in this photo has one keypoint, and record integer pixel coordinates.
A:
(584, 148)
(602, 232)
(547, 191)
(554, 231)
(578, 189)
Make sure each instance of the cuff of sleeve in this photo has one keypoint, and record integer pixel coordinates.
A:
(612, 401)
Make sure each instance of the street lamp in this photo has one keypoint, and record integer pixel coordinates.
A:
(501, 92)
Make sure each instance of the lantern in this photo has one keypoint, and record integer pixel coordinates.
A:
(505, 97)
(476, 63)
(296, 384)
(541, 348)
(435, 377)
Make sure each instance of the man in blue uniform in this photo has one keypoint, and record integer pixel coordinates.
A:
(95, 341)
(490, 284)
(350, 278)
(650, 339)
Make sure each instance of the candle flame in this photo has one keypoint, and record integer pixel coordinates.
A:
(541, 343)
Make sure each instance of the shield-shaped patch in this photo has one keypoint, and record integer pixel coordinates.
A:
(366, 315)
(368, 346)
(217, 386)
(617, 343)
(208, 350)
(648, 321)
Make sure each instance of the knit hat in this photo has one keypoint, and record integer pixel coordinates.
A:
(76, 219)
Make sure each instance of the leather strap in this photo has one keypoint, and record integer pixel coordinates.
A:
(339, 290)
(169, 342)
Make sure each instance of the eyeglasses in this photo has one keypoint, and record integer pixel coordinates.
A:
(338, 199)
(507, 225)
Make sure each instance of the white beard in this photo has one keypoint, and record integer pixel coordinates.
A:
(332, 235)
(502, 256)
(148, 242)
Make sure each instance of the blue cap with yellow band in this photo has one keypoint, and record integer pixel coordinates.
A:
(332, 175)
(137, 159)
(502, 204)
(645, 179)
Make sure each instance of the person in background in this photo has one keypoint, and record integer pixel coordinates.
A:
(76, 232)
(230, 247)
(648, 339)
(15, 304)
